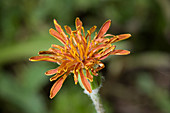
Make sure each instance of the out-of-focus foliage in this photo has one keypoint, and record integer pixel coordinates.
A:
(137, 83)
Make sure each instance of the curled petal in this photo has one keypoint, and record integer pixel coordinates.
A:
(92, 29)
(104, 29)
(100, 66)
(120, 52)
(84, 81)
(57, 86)
(94, 72)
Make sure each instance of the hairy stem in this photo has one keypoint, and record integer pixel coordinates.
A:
(95, 97)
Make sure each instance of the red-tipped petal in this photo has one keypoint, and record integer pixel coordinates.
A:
(120, 52)
(104, 29)
(84, 81)
(56, 87)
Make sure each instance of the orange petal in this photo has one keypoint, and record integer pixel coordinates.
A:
(59, 29)
(75, 77)
(105, 56)
(43, 58)
(110, 49)
(75, 71)
(122, 37)
(85, 82)
(56, 87)
(52, 71)
(94, 72)
(57, 35)
(55, 77)
(63, 65)
(57, 46)
(46, 52)
(68, 29)
(56, 51)
(99, 47)
(89, 76)
(120, 52)
(104, 29)
(93, 29)
(78, 24)
(100, 66)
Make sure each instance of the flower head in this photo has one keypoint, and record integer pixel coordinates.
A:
(80, 53)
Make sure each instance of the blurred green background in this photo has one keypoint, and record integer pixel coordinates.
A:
(137, 83)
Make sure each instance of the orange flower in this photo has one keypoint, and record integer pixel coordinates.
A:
(79, 53)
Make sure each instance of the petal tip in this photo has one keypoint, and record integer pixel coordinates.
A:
(51, 96)
(32, 59)
(109, 21)
(55, 21)
(77, 18)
